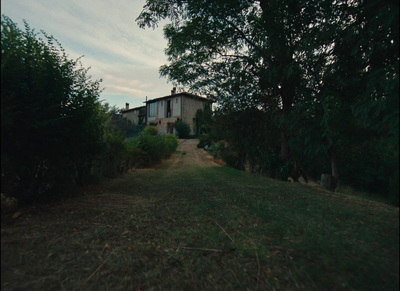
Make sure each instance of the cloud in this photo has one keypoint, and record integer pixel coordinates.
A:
(126, 57)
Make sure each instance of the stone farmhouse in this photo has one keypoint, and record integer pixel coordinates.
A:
(136, 115)
(165, 111)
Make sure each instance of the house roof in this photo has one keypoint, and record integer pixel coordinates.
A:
(133, 109)
(181, 94)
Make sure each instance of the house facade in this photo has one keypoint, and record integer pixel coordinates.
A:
(136, 115)
(165, 111)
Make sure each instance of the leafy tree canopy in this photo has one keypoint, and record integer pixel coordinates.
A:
(327, 72)
(52, 121)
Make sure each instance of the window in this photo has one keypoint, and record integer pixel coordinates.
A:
(168, 108)
(152, 109)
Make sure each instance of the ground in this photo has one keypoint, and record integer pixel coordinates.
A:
(191, 224)
(189, 156)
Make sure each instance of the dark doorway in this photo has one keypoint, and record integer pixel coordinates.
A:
(170, 127)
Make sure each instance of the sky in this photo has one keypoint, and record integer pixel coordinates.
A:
(126, 57)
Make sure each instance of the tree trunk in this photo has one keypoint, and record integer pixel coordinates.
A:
(335, 173)
(284, 145)
(242, 160)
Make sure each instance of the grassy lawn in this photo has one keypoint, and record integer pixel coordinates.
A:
(200, 229)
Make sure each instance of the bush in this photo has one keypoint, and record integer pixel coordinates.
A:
(152, 145)
(151, 130)
(56, 138)
(204, 140)
(114, 157)
(8, 204)
(171, 143)
(182, 128)
(213, 150)
(143, 151)
(229, 156)
(136, 157)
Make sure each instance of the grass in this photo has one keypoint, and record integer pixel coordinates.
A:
(201, 229)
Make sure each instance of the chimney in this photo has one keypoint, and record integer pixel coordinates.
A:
(126, 106)
(173, 91)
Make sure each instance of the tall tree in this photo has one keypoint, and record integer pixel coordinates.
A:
(51, 125)
(327, 71)
(246, 54)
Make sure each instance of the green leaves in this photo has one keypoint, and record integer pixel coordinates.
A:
(327, 73)
(50, 108)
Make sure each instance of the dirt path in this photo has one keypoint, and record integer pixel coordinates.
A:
(189, 155)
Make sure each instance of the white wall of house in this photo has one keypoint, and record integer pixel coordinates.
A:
(167, 111)
(132, 116)
(176, 106)
(189, 109)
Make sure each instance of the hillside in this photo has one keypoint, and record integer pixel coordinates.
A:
(190, 224)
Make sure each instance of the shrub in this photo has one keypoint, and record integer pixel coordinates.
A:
(151, 130)
(8, 204)
(114, 157)
(153, 145)
(229, 156)
(204, 140)
(213, 150)
(270, 164)
(182, 128)
(171, 143)
(136, 157)
(57, 137)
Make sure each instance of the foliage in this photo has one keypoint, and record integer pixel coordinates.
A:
(114, 155)
(153, 146)
(228, 155)
(52, 120)
(150, 148)
(124, 154)
(326, 73)
(136, 157)
(171, 143)
(203, 120)
(257, 54)
(204, 140)
(204, 124)
(150, 130)
(182, 128)
(8, 204)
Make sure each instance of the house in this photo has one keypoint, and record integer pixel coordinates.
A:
(136, 115)
(165, 111)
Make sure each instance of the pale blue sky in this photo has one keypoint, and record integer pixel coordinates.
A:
(126, 57)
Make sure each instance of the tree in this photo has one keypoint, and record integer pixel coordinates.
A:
(52, 121)
(325, 71)
(182, 128)
(245, 54)
(203, 120)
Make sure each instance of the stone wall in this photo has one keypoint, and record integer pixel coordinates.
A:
(182, 107)
(189, 109)
(133, 114)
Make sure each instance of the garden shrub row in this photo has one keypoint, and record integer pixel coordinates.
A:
(145, 150)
